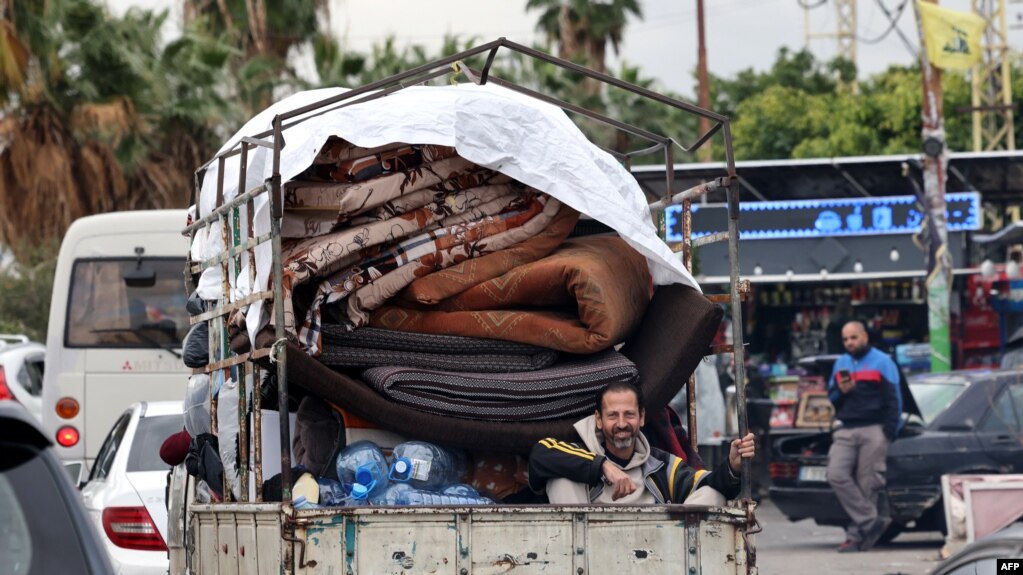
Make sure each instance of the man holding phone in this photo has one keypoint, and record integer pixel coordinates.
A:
(864, 388)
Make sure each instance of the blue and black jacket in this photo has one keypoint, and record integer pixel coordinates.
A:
(876, 398)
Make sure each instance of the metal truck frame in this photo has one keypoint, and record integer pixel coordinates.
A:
(258, 537)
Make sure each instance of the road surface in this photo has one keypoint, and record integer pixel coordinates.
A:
(805, 548)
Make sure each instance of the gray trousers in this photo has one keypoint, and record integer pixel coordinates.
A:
(565, 492)
(856, 467)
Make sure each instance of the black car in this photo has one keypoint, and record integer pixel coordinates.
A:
(966, 422)
(44, 528)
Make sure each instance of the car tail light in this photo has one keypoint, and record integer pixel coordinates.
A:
(132, 528)
(67, 407)
(67, 436)
(784, 470)
(5, 392)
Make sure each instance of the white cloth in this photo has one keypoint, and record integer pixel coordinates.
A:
(710, 405)
(524, 138)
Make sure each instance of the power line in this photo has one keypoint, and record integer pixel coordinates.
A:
(892, 22)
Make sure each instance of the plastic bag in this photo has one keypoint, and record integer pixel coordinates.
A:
(227, 420)
(197, 405)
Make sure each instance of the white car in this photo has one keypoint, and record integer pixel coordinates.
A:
(126, 491)
(21, 372)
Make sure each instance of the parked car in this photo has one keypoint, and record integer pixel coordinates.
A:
(966, 422)
(126, 491)
(22, 363)
(44, 528)
(979, 557)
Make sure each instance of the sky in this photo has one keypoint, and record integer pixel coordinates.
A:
(740, 33)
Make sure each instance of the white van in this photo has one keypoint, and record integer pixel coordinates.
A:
(117, 318)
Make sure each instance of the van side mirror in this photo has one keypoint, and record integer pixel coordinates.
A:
(142, 276)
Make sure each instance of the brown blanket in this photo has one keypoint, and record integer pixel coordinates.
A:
(587, 296)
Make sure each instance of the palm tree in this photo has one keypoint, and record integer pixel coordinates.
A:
(583, 28)
(91, 118)
(264, 32)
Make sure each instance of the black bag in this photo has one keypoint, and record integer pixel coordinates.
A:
(203, 462)
(195, 349)
(319, 437)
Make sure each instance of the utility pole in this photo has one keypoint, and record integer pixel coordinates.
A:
(935, 231)
(845, 29)
(704, 153)
(992, 83)
(846, 32)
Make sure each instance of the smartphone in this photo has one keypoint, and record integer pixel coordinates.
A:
(844, 376)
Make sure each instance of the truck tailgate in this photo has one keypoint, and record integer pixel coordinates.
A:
(245, 538)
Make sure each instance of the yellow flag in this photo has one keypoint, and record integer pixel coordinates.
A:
(952, 37)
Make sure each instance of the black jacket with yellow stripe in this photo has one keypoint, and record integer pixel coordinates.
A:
(666, 476)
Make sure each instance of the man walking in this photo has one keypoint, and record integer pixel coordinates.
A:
(618, 464)
(864, 388)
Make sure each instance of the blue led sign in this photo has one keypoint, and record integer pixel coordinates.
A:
(824, 218)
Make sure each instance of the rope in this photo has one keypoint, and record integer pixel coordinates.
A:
(276, 349)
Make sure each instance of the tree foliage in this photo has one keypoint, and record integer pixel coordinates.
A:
(101, 120)
(26, 286)
(797, 110)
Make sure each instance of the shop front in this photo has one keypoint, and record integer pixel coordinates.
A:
(832, 240)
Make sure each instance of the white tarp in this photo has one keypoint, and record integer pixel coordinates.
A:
(524, 138)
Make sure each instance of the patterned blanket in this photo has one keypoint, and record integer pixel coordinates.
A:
(371, 347)
(563, 390)
(328, 195)
(587, 296)
(384, 270)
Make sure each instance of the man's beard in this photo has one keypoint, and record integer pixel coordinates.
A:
(861, 351)
(623, 442)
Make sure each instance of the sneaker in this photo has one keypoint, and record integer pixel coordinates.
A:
(874, 532)
(849, 546)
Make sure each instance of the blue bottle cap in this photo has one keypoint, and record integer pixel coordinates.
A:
(365, 474)
(360, 491)
(401, 469)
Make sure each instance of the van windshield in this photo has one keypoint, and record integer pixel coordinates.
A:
(110, 306)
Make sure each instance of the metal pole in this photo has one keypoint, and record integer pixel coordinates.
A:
(701, 66)
(935, 234)
(738, 350)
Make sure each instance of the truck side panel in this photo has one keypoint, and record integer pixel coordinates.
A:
(409, 541)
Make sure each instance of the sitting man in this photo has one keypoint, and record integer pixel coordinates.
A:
(618, 456)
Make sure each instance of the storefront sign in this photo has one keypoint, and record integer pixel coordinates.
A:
(825, 218)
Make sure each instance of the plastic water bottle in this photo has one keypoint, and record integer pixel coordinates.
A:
(420, 497)
(423, 465)
(460, 490)
(332, 492)
(390, 495)
(359, 496)
(301, 503)
(362, 463)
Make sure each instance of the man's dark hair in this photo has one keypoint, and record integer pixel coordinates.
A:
(619, 386)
